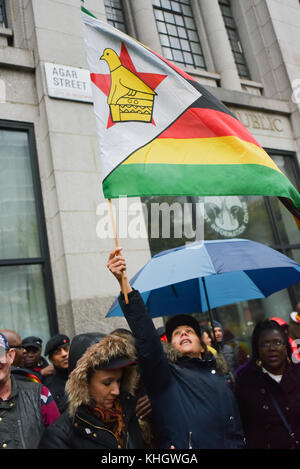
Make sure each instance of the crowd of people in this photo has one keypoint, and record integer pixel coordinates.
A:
(183, 386)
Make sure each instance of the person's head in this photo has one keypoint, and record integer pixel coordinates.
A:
(184, 333)
(219, 331)
(33, 350)
(270, 346)
(104, 370)
(15, 341)
(104, 386)
(206, 337)
(125, 333)
(57, 349)
(79, 345)
(7, 356)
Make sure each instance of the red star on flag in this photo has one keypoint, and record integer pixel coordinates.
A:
(103, 81)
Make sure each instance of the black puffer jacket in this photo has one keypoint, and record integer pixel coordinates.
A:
(86, 431)
(21, 423)
(192, 404)
(56, 384)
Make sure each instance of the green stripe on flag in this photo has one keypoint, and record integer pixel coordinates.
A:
(87, 12)
(138, 180)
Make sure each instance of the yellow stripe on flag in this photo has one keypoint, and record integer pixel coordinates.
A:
(219, 150)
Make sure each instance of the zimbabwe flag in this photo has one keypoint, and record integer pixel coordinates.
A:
(162, 133)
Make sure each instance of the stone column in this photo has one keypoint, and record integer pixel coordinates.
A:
(219, 44)
(145, 24)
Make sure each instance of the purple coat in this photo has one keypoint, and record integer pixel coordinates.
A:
(262, 425)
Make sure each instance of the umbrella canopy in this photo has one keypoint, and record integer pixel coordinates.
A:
(199, 276)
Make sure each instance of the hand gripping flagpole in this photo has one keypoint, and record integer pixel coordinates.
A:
(124, 277)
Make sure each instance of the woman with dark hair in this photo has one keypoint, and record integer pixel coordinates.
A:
(101, 404)
(268, 390)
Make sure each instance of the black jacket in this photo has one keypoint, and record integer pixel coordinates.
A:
(21, 423)
(86, 431)
(56, 384)
(264, 428)
(192, 404)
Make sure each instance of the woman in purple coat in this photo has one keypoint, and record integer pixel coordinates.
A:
(268, 391)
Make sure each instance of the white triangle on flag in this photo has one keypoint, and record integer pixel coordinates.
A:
(173, 95)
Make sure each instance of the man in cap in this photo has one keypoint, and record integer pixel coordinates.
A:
(26, 408)
(33, 359)
(192, 405)
(57, 350)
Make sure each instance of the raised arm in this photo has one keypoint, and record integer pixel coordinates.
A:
(152, 360)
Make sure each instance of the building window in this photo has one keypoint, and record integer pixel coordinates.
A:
(3, 18)
(115, 14)
(26, 291)
(234, 39)
(177, 31)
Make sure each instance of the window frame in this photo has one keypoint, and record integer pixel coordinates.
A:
(112, 21)
(3, 9)
(194, 55)
(44, 259)
(233, 28)
(279, 244)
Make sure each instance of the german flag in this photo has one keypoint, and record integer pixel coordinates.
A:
(202, 149)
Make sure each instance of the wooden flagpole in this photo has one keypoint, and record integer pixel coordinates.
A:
(124, 289)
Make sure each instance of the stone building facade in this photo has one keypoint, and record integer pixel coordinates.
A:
(53, 274)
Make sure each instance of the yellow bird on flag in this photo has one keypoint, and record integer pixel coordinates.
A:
(130, 98)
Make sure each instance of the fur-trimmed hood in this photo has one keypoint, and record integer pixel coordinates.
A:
(95, 357)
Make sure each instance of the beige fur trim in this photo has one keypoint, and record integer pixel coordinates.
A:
(98, 355)
(173, 356)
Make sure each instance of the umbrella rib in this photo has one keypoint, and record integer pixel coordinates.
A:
(246, 272)
(174, 290)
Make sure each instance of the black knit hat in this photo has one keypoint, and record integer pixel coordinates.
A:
(182, 320)
(55, 342)
(80, 343)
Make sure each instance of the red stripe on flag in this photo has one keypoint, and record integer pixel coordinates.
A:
(206, 123)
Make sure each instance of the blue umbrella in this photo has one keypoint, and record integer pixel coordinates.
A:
(199, 276)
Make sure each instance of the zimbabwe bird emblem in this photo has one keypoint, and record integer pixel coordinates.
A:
(129, 98)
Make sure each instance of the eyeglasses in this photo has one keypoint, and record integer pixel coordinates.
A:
(272, 343)
(17, 346)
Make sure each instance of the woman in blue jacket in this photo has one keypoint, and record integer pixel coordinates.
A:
(192, 405)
